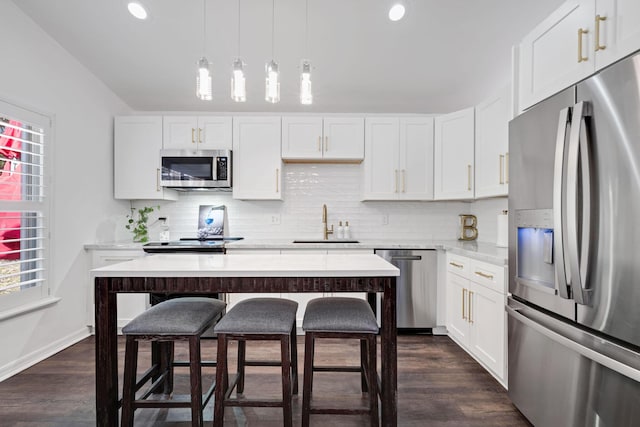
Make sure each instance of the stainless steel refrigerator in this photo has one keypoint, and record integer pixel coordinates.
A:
(574, 254)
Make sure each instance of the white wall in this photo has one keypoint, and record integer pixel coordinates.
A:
(38, 74)
(306, 188)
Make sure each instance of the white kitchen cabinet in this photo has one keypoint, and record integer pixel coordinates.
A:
(398, 162)
(129, 305)
(257, 165)
(617, 25)
(454, 155)
(476, 319)
(492, 146)
(197, 132)
(576, 40)
(137, 144)
(322, 139)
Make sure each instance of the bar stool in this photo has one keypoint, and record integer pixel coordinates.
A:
(257, 319)
(183, 319)
(337, 317)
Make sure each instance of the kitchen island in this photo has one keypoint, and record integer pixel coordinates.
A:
(187, 273)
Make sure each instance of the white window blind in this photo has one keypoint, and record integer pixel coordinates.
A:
(24, 208)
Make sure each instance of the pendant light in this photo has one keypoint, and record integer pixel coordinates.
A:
(238, 82)
(306, 96)
(272, 81)
(203, 78)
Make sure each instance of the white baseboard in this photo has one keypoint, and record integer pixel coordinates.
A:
(28, 360)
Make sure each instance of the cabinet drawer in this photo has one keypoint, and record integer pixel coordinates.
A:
(488, 275)
(458, 265)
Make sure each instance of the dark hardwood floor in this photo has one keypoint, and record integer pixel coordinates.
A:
(438, 385)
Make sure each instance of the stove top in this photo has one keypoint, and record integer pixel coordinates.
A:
(215, 245)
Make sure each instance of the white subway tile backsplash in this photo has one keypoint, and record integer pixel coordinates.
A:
(307, 187)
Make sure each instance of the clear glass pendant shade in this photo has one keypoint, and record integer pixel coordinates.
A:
(306, 96)
(238, 82)
(203, 80)
(272, 82)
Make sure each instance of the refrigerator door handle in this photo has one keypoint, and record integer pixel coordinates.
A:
(559, 218)
(578, 249)
(573, 338)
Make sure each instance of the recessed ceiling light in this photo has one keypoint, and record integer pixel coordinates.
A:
(137, 9)
(396, 12)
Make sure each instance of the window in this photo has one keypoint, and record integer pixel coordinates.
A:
(24, 211)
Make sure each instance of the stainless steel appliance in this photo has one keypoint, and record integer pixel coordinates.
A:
(416, 287)
(574, 269)
(190, 245)
(196, 169)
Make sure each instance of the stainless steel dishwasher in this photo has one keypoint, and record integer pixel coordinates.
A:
(416, 287)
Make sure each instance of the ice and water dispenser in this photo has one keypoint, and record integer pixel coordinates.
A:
(535, 255)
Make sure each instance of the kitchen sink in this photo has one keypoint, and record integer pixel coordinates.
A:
(326, 241)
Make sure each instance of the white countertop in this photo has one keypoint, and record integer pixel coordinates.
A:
(483, 251)
(268, 265)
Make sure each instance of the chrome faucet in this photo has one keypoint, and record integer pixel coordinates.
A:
(325, 230)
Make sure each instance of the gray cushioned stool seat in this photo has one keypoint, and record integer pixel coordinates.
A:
(259, 316)
(338, 314)
(180, 316)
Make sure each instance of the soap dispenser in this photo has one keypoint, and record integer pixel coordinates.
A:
(340, 233)
(347, 232)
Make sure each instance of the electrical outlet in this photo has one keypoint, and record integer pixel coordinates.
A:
(385, 219)
(275, 219)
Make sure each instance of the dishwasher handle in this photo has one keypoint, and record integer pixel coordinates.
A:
(406, 258)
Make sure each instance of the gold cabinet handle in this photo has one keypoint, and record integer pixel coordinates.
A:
(193, 137)
(501, 161)
(485, 275)
(470, 304)
(599, 19)
(404, 178)
(158, 179)
(326, 144)
(396, 181)
(320, 143)
(469, 177)
(455, 264)
(506, 167)
(277, 180)
(200, 135)
(581, 33)
(464, 294)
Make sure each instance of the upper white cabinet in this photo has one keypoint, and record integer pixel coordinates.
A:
(398, 160)
(577, 39)
(317, 138)
(617, 26)
(454, 156)
(137, 144)
(491, 146)
(202, 132)
(257, 165)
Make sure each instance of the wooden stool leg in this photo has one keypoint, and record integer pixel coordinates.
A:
(221, 381)
(242, 357)
(294, 357)
(196, 381)
(129, 381)
(166, 350)
(285, 349)
(373, 380)
(363, 365)
(307, 382)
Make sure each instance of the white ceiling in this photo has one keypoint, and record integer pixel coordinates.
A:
(444, 55)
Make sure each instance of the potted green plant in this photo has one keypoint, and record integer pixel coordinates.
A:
(138, 226)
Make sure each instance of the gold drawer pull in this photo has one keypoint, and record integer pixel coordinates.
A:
(464, 294)
(456, 264)
(485, 275)
(470, 309)
(598, 20)
(501, 162)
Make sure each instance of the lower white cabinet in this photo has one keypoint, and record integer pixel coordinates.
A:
(476, 319)
(129, 305)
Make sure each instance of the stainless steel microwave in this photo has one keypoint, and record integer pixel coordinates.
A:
(194, 169)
